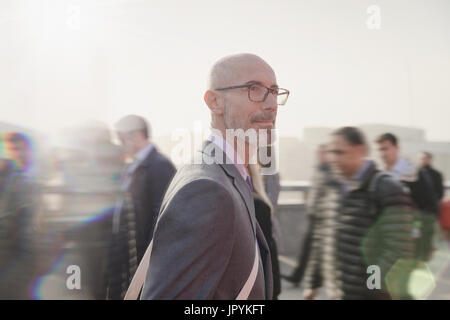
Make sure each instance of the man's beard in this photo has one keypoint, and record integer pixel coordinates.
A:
(260, 137)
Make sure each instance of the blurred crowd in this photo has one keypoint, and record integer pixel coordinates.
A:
(362, 214)
(95, 205)
(92, 204)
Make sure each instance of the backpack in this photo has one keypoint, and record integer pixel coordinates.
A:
(423, 193)
(403, 270)
(373, 185)
(417, 222)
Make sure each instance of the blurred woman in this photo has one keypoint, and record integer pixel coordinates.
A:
(264, 215)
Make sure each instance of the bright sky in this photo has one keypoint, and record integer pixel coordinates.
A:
(62, 61)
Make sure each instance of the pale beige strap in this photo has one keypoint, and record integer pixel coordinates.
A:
(248, 286)
(139, 277)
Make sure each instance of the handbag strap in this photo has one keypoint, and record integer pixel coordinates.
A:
(248, 286)
(139, 277)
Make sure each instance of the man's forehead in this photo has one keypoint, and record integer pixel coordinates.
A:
(264, 76)
(243, 68)
(387, 144)
(337, 139)
(340, 143)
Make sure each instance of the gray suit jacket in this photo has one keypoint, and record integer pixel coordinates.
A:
(204, 241)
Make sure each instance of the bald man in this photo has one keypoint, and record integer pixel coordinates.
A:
(207, 243)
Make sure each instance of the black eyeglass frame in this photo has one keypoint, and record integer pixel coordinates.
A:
(271, 90)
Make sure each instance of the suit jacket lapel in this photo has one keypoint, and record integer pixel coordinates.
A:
(230, 169)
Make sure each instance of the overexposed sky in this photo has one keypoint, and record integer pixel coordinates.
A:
(62, 61)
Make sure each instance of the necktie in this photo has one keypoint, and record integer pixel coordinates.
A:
(249, 182)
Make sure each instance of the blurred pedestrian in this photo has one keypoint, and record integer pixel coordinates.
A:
(445, 217)
(146, 178)
(272, 186)
(82, 192)
(367, 224)
(426, 162)
(18, 207)
(420, 184)
(322, 175)
(264, 214)
(143, 183)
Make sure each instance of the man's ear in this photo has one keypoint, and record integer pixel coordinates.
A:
(213, 102)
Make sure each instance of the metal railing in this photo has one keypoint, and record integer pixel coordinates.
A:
(304, 185)
(291, 214)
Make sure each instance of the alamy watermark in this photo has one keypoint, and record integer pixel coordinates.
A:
(73, 20)
(373, 21)
(374, 280)
(74, 280)
(261, 145)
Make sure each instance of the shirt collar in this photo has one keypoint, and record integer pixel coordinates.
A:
(230, 153)
(144, 152)
(400, 168)
(139, 157)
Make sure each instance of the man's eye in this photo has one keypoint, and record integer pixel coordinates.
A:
(256, 88)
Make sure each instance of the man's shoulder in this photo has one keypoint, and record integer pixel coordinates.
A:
(435, 172)
(196, 186)
(157, 159)
(194, 174)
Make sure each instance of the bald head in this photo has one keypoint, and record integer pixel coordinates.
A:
(232, 108)
(231, 68)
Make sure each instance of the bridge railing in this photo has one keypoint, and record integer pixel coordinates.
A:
(303, 186)
(291, 214)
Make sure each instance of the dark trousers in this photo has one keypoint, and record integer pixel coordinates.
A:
(299, 271)
(424, 246)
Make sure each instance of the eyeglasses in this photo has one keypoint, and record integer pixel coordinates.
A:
(258, 93)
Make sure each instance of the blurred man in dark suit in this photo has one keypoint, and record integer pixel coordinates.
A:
(146, 178)
(426, 161)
